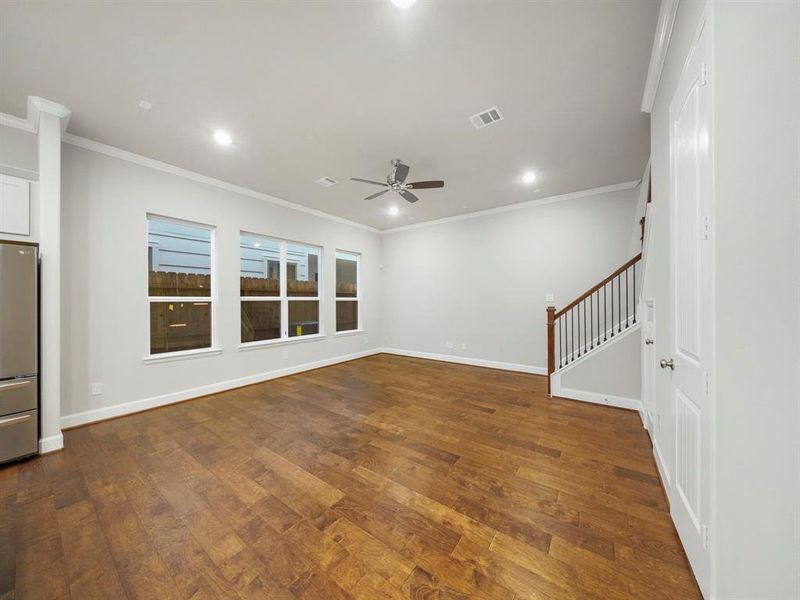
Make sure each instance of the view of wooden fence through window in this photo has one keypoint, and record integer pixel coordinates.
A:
(347, 293)
(176, 326)
(280, 287)
(179, 290)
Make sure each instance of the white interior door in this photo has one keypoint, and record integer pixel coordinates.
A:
(691, 279)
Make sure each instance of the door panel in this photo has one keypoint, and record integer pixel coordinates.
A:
(687, 464)
(691, 200)
(17, 310)
(687, 220)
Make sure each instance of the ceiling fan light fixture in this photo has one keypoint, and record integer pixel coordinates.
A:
(396, 182)
(403, 4)
(528, 177)
(394, 211)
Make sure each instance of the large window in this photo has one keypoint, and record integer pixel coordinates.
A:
(348, 267)
(180, 280)
(280, 289)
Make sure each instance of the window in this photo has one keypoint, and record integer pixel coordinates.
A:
(180, 280)
(348, 267)
(280, 289)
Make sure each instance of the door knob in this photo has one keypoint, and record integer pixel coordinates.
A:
(667, 363)
(648, 341)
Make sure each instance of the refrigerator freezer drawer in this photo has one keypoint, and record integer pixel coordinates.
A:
(18, 435)
(17, 395)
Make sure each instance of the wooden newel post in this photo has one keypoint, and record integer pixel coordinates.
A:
(551, 344)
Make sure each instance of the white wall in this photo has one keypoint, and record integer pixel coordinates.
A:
(482, 281)
(105, 202)
(756, 533)
(18, 152)
(757, 132)
(613, 370)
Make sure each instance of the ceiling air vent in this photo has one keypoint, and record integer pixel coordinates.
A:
(325, 181)
(487, 117)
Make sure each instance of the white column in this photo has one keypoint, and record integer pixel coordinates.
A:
(49, 118)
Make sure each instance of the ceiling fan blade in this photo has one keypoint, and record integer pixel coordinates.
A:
(383, 183)
(376, 195)
(421, 185)
(401, 172)
(408, 196)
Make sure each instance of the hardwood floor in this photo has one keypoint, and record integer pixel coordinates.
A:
(385, 477)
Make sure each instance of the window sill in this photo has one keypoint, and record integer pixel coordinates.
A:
(182, 355)
(350, 332)
(281, 341)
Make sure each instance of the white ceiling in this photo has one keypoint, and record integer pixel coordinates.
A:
(337, 88)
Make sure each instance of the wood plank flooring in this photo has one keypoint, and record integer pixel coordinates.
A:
(385, 477)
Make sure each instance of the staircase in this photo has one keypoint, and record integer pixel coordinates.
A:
(594, 319)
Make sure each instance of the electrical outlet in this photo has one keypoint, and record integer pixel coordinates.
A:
(366, 341)
(97, 389)
(450, 344)
(549, 298)
(463, 345)
(285, 354)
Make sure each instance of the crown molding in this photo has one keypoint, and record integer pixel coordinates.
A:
(37, 106)
(606, 189)
(16, 122)
(158, 165)
(42, 105)
(666, 20)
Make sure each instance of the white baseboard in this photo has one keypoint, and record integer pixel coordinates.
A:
(463, 360)
(51, 444)
(595, 398)
(118, 410)
(662, 467)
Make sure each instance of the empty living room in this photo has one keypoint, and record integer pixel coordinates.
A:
(400, 299)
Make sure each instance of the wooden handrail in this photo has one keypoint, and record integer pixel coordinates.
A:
(596, 287)
(571, 344)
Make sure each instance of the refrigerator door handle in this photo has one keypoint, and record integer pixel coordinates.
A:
(11, 420)
(14, 385)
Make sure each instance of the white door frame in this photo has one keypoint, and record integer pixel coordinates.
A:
(648, 312)
(704, 565)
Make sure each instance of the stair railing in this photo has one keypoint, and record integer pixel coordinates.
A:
(593, 318)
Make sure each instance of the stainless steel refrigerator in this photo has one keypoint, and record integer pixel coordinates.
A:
(19, 352)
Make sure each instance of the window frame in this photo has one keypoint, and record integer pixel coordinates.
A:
(357, 299)
(212, 298)
(283, 295)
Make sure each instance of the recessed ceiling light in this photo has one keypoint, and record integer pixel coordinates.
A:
(222, 137)
(145, 105)
(404, 4)
(393, 210)
(528, 177)
(257, 244)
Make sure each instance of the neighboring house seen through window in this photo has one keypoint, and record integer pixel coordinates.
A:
(280, 289)
(180, 284)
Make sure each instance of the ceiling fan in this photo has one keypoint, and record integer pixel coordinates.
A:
(396, 182)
